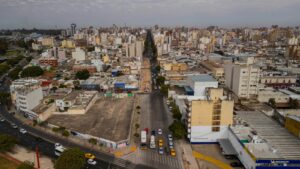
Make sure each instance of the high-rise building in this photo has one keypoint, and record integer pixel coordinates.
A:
(208, 119)
(73, 28)
(242, 78)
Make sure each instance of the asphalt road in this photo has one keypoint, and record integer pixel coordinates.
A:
(46, 144)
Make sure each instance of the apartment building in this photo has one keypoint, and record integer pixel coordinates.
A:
(200, 82)
(242, 79)
(208, 119)
(79, 55)
(26, 94)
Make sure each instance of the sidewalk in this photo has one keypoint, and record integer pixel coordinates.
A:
(21, 154)
(186, 154)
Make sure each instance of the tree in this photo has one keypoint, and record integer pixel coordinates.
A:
(176, 113)
(4, 98)
(164, 89)
(76, 84)
(7, 142)
(65, 133)
(160, 80)
(272, 102)
(157, 68)
(3, 46)
(83, 74)
(93, 141)
(15, 73)
(71, 158)
(178, 129)
(32, 71)
(4, 67)
(26, 165)
(294, 103)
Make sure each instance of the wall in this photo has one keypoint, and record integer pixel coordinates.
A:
(243, 156)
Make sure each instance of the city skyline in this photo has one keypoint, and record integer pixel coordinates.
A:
(200, 13)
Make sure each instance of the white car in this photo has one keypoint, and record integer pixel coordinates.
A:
(159, 131)
(171, 143)
(14, 126)
(57, 144)
(170, 137)
(91, 162)
(23, 131)
(2, 120)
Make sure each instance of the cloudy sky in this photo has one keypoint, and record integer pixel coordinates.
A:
(227, 13)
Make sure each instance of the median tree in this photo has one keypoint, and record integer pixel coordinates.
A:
(32, 71)
(83, 74)
(71, 158)
(7, 142)
(178, 129)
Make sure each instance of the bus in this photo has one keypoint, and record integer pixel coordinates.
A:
(143, 140)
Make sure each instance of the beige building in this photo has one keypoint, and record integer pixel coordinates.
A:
(67, 44)
(217, 70)
(208, 119)
(48, 41)
(264, 95)
(242, 79)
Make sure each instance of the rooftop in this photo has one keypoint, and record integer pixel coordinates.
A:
(202, 78)
(273, 140)
(108, 118)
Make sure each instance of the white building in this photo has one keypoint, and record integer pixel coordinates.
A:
(98, 64)
(200, 82)
(242, 79)
(79, 55)
(26, 94)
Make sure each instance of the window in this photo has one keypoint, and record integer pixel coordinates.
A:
(216, 123)
(216, 118)
(215, 129)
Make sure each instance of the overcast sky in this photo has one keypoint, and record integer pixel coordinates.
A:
(227, 13)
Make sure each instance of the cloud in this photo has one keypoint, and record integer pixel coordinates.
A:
(47, 13)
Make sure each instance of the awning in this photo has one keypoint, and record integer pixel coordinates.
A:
(227, 147)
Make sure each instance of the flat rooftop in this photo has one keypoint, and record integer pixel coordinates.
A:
(202, 78)
(282, 143)
(108, 118)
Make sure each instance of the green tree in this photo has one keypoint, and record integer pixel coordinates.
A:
(83, 74)
(178, 129)
(157, 68)
(272, 102)
(164, 89)
(4, 97)
(294, 103)
(3, 45)
(93, 141)
(160, 80)
(4, 67)
(26, 165)
(32, 71)
(71, 158)
(15, 73)
(7, 142)
(176, 113)
(65, 133)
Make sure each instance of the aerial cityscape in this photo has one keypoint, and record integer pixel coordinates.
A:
(149, 84)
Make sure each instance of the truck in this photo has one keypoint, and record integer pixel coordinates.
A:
(152, 142)
(143, 140)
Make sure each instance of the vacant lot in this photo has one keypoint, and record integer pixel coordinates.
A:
(6, 164)
(108, 118)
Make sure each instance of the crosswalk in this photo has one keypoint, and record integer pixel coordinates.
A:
(152, 158)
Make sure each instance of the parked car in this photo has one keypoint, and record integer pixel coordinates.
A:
(170, 137)
(230, 157)
(23, 131)
(14, 126)
(153, 132)
(89, 156)
(236, 164)
(2, 120)
(171, 143)
(171, 146)
(159, 131)
(161, 150)
(91, 162)
(173, 152)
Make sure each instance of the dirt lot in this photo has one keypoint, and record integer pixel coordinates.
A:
(108, 118)
(145, 82)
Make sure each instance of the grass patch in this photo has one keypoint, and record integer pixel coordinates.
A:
(12, 52)
(7, 164)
